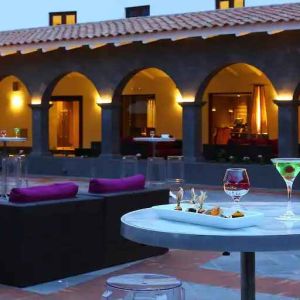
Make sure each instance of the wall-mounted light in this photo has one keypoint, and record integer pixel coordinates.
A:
(230, 111)
(213, 109)
(103, 99)
(16, 102)
(284, 96)
(36, 100)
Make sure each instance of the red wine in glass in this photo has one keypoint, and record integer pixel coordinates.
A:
(236, 184)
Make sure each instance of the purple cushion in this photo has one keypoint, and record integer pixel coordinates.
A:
(54, 191)
(105, 185)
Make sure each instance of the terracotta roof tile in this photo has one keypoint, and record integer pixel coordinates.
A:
(155, 24)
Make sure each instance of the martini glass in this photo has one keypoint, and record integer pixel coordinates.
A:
(288, 168)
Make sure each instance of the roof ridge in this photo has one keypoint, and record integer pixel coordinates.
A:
(286, 15)
(217, 11)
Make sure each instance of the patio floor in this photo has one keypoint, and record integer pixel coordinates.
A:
(206, 275)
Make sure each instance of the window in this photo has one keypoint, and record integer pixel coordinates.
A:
(224, 4)
(65, 17)
(137, 11)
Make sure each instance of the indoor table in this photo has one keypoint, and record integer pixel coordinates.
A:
(154, 141)
(144, 226)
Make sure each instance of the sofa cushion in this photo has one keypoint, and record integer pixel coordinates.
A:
(105, 185)
(54, 191)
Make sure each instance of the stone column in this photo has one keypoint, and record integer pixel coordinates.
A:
(110, 117)
(192, 131)
(40, 129)
(287, 128)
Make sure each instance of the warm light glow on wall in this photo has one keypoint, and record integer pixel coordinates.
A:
(36, 100)
(182, 99)
(284, 96)
(187, 99)
(97, 98)
(103, 99)
(17, 101)
(178, 96)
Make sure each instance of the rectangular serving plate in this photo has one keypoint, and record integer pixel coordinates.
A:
(168, 212)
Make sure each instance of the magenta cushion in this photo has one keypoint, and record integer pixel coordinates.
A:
(105, 185)
(54, 191)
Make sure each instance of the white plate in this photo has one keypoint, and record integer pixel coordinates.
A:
(251, 218)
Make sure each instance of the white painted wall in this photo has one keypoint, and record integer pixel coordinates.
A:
(34, 13)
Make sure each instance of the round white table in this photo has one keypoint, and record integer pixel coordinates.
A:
(154, 141)
(7, 139)
(145, 227)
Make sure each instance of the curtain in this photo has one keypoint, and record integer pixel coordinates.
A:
(151, 112)
(259, 122)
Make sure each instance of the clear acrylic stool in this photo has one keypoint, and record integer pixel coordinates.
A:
(14, 173)
(156, 171)
(175, 170)
(129, 165)
(143, 287)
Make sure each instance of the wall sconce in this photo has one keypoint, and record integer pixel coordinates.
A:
(213, 109)
(16, 86)
(36, 100)
(230, 111)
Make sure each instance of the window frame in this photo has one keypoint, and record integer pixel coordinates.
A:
(63, 15)
(146, 7)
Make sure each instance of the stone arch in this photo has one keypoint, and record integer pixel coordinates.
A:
(296, 95)
(204, 84)
(236, 79)
(148, 82)
(76, 92)
(48, 88)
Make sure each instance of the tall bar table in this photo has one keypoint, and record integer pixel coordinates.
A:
(154, 141)
(7, 139)
(144, 226)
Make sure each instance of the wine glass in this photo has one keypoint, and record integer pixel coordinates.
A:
(152, 133)
(3, 133)
(236, 185)
(288, 168)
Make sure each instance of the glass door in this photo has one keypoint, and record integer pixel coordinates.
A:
(65, 124)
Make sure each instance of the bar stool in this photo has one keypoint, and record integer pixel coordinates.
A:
(14, 173)
(175, 170)
(143, 287)
(129, 165)
(156, 171)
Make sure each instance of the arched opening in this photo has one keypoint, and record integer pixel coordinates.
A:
(149, 103)
(15, 118)
(74, 116)
(240, 111)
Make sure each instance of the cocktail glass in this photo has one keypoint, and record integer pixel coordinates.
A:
(288, 168)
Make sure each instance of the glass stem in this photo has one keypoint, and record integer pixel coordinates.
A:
(236, 203)
(289, 186)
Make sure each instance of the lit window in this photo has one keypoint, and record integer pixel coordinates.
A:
(137, 11)
(65, 17)
(224, 4)
(239, 3)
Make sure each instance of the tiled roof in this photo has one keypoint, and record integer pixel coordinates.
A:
(213, 20)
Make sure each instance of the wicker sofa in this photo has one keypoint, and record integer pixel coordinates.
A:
(50, 240)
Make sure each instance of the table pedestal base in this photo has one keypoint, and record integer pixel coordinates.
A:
(247, 275)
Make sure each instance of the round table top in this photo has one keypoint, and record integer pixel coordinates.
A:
(12, 139)
(153, 139)
(145, 227)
